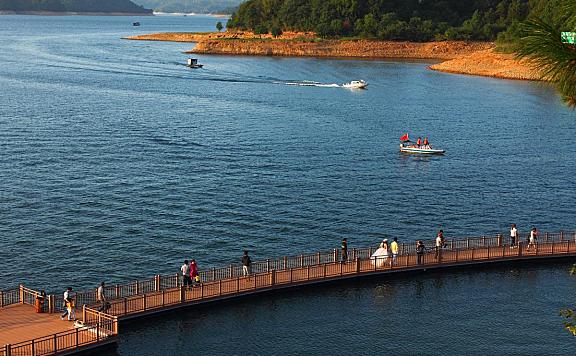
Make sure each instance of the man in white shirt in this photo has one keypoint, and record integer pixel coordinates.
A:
(101, 297)
(69, 305)
(513, 236)
(439, 244)
(185, 269)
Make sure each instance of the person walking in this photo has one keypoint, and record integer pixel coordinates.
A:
(394, 248)
(533, 238)
(246, 264)
(185, 269)
(344, 249)
(420, 248)
(69, 298)
(194, 276)
(513, 236)
(101, 297)
(438, 245)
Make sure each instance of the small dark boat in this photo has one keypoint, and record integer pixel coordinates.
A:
(135, 23)
(193, 63)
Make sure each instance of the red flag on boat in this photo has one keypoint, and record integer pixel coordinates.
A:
(404, 138)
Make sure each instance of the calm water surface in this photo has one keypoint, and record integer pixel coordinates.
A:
(117, 162)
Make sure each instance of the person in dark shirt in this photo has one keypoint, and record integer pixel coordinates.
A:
(420, 248)
(246, 263)
(344, 249)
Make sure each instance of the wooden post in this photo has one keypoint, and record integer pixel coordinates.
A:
(84, 314)
(308, 273)
(21, 294)
(273, 277)
(407, 257)
(499, 240)
(357, 265)
(341, 264)
(324, 270)
(98, 332)
(318, 257)
(157, 283)
(488, 251)
(213, 273)
(301, 260)
(220, 287)
(77, 341)
(467, 243)
(546, 236)
(144, 302)
(290, 275)
(177, 280)
(452, 243)
(267, 265)
(117, 291)
(163, 297)
(238, 284)
(55, 344)
(137, 288)
(484, 241)
(519, 248)
(285, 260)
(1, 299)
(472, 254)
(231, 271)
(335, 255)
(456, 255)
(8, 350)
(561, 236)
(201, 290)
(125, 306)
(182, 294)
(34, 344)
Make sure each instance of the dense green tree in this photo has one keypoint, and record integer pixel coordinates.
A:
(219, 26)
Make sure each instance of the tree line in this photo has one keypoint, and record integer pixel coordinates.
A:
(412, 20)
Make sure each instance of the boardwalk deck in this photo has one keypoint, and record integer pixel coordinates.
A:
(163, 293)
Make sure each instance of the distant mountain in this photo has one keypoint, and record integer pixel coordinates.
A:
(94, 6)
(188, 6)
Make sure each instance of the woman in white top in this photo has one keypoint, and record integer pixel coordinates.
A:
(380, 256)
(533, 238)
(513, 235)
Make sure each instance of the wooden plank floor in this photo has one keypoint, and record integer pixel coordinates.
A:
(19, 322)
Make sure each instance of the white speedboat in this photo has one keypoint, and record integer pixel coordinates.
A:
(425, 150)
(355, 84)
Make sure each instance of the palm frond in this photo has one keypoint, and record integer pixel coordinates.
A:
(541, 46)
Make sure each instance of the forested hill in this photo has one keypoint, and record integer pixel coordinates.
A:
(109, 6)
(414, 20)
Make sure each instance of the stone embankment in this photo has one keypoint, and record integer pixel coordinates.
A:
(473, 58)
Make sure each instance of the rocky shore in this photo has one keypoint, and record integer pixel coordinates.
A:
(473, 58)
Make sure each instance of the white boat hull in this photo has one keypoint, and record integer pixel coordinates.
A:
(424, 151)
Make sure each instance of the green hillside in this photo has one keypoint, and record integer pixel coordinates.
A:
(414, 20)
(126, 6)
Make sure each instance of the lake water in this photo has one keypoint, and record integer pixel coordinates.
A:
(117, 162)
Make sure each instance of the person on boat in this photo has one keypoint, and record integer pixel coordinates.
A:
(426, 144)
(419, 142)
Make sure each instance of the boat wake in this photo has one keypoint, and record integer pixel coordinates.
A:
(307, 83)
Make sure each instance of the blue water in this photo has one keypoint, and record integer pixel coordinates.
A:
(117, 162)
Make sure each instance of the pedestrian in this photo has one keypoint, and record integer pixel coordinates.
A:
(194, 276)
(533, 238)
(344, 249)
(438, 245)
(186, 281)
(69, 307)
(101, 297)
(246, 264)
(513, 236)
(394, 248)
(420, 248)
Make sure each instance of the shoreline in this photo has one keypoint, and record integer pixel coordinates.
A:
(457, 57)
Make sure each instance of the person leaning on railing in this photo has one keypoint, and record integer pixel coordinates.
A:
(420, 249)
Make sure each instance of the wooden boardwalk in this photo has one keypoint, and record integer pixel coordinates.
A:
(162, 293)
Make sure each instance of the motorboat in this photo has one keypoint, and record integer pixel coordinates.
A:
(193, 63)
(135, 24)
(425, 150)
(355, 84)
(408, 146)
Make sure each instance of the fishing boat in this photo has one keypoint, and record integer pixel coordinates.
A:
(407, 146)
(355, 84)
(135, 24)
(193, 63)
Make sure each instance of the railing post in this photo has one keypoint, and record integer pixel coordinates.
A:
(77, 341)
(472, 254)
(238, 284)
(407, 258)
(499, 240)
(488, 251)
(335, 255)
(324, 276)
(98, 332)
(213, 273)
(137, 288)
(561, 236)
(318, 257)
(157, 283)
(125, 306)
(55, 340)
(84, 313)
(467, 243)
(21, 294)
(520, 248)
(34, 344)
(163, 297)
(483, 241)
(231, 271)
(290, 275)
(308, 273)
(273, 277)
(144, 302)
(8, 350)
(452, 244)
(177, 280)
(457, 255)
(546, 236)
(267, 265)
(357, 265)
(1, 299)
(402, 250)
(201, 290)
(301, 260)
(182, 294)
(117, 291)
(285, 260)
(220, 287)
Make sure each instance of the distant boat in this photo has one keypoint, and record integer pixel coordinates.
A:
(408, 146)
(193, 63)
(356, 84)
(135, 23)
